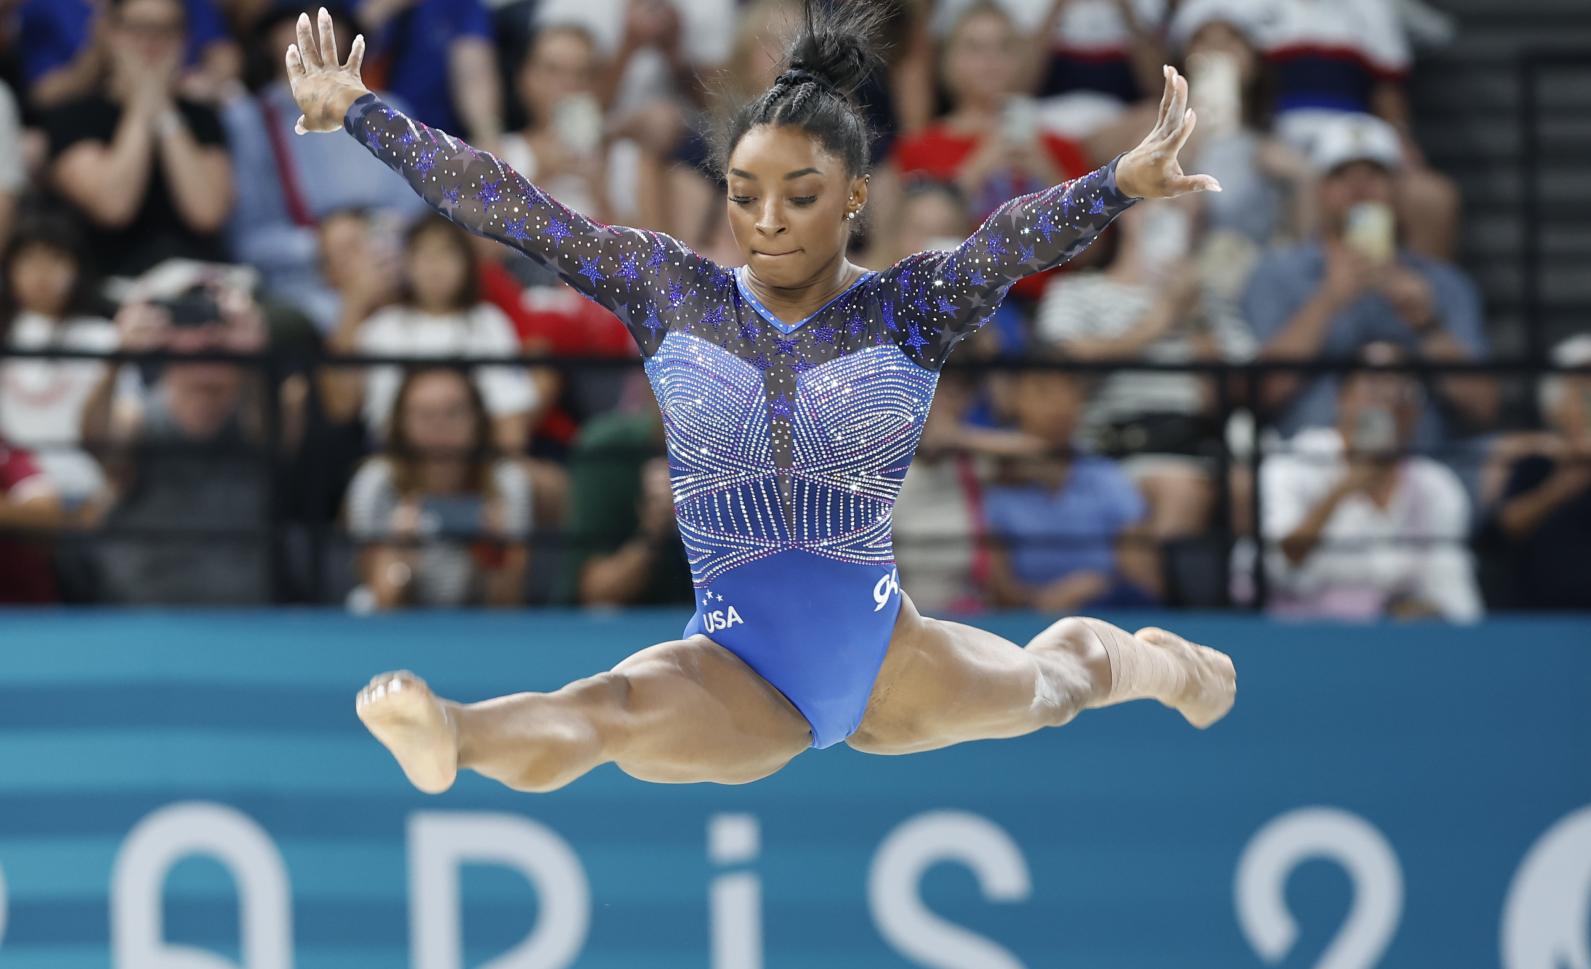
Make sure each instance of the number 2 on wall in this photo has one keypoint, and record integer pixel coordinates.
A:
(1335, 835)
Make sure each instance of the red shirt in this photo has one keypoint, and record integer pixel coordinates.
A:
(26, 575)
(939, 153)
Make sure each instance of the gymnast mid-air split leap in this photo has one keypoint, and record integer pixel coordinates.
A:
(793, 392)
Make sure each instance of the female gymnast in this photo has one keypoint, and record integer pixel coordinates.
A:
(793, 392)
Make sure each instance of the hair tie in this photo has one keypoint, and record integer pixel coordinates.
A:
(800, 75)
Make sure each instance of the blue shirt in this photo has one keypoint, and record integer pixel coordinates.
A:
(51, 32)
(1054, 532)
(1286, 279)
(332, 174)
(417, 43)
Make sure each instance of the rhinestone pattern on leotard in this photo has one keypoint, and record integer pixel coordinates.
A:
(780, 436)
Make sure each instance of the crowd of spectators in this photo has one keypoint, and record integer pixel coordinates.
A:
(154, 196)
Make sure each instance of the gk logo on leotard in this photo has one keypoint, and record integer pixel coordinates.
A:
(886, 586)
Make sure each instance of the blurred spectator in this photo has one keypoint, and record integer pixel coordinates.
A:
(438, 56)
(13, 167)
(1087, 59)
(1267, 186)
(1542, 522)
(28, 501)
(1351, 59)
(286, 186)
(47, 303)
(1064, 525)
(650, 47)
(66, 47)
(147, 167)
(563, 148)
(625, 547)
(187, 454)
(455, 516)
(439, 314)
(1147, 304)
(1357, 529)
(1355, 285)
(990, 144)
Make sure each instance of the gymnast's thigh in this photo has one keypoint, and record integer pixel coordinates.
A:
(943, 683)
(693, 711)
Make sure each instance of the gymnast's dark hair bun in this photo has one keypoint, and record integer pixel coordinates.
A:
(839, 46)
(833, 56)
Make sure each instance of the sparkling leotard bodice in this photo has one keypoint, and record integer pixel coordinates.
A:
(780, 436)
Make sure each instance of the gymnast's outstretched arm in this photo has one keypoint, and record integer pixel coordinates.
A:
(624, 269)
(948, 295)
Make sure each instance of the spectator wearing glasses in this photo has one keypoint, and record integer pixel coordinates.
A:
(146, 167)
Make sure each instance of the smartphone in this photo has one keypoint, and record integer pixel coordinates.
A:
(451, 515)
(1019, 120)
(1215, 91)
(193, 307)
(1375, 431)
(1371, 231)
(577, 120)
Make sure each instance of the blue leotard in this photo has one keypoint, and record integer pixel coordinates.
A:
(787, 442)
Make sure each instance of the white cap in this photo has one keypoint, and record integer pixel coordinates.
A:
(1573, 352)
(1356, 137)
(1192, 16)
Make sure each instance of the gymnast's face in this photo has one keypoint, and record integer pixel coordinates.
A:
(788, 198)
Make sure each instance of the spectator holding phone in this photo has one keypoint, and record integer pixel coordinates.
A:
(444, 520)
(185, 449)
(1331, 296)
(1356, 528)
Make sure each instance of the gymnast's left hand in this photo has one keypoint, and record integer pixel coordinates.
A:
(1152, 170)
(323, 86)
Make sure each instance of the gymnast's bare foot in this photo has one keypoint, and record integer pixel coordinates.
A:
(415, 726)
(1212, 679)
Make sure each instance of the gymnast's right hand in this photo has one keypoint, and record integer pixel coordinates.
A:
(323, 87)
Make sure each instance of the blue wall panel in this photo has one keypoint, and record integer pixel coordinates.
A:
(1394, 781)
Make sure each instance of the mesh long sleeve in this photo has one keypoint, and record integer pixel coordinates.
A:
(945, 296)
(640, 276)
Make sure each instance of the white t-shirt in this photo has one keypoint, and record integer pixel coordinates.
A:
(41, 401)
(1368, 555)
(1092, 305)
(481, 331)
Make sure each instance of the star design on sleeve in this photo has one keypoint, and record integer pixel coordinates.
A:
(1046, 224)
(887, 308)
(490, 192)
(825, 333)
(749, 331)
(801, 365)
(946, 306)
(1028, 254)
(762, 363)
(652, 323)
(714, 317)
(517, 230)
(591, 269)
(450, 198)
(1098, 208)
(655, 261)
(425, 161)
(628, 269)
(915, 340)
(786, 346)
(977, 278)
(559, 230)
(995, 245)
(677, 294)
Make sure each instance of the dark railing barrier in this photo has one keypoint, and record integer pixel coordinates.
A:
(268, 530)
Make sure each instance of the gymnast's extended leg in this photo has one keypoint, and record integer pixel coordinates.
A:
(677, 712)
(944, 683)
